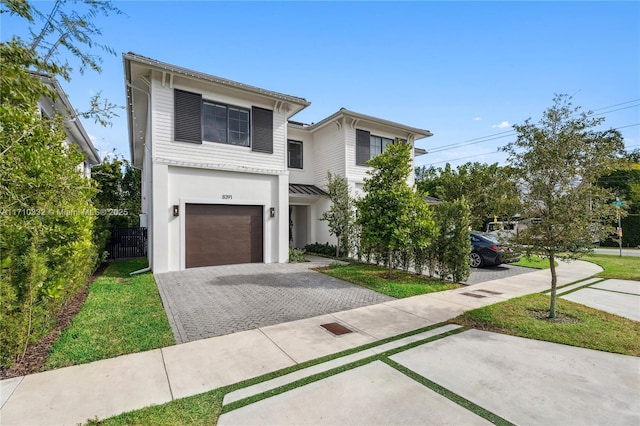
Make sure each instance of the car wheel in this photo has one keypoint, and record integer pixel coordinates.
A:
(476, 259)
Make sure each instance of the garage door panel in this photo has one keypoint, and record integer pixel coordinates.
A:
(223, 235)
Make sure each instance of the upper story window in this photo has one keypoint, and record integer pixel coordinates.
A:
(294, 154)
(368, 146)
(197, 120)
(378, 145)
(225, 124)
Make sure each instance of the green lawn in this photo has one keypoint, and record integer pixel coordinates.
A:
(202, 409)
(620, 267)
(403, 284)
(533, 262)
(122, 314)
(584, 327)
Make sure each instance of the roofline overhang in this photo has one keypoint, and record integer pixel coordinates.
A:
(301, 103)
(74, 125)
(343, 112)
(128, 100)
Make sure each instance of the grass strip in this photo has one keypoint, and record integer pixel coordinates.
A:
(189, 407)
(454, 397)
(575, 325)
(559, 293)
(403, 284)
(535, 262)
(616, 267)
(314, 378)
(560, 287)
(123, 314)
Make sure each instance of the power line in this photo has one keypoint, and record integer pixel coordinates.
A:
(621, 103)
(496, 152)
(500, 135)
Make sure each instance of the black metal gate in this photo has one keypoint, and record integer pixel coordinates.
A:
(127, 243)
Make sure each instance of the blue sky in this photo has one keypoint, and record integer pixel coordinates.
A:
(467, 71)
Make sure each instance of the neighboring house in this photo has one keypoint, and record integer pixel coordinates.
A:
(76, 133)
(227, 176)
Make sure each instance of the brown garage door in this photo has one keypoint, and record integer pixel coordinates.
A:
(219, 234)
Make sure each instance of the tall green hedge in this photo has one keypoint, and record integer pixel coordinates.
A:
(46, 217)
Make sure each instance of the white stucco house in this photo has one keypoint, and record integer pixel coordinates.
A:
(227, 176)
(76, 134)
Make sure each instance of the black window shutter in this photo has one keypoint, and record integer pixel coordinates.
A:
(262, 130)
(363, 147)
(187, 108)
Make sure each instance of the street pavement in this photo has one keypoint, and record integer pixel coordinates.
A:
(505, 375)
(628, 251)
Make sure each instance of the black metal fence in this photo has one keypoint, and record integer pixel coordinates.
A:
(127, 243)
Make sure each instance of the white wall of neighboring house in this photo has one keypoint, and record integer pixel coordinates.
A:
(73, 128)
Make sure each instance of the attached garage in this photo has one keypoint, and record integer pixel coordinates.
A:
(221, 234)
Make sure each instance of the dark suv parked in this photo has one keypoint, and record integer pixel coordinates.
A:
(486, 250)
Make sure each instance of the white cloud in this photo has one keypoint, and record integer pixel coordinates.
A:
(503, 125)
(477, 119)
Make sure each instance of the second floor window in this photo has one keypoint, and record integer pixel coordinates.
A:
(368, 146)
(225, 124)
(294, 154)
(197, 120)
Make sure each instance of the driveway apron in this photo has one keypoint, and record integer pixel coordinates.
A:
(218, 300)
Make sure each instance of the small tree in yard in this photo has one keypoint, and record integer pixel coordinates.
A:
(392, 216)
(340, 216)
(558, 162)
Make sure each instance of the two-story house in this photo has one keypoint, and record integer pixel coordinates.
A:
(76, 134)
(227, 176)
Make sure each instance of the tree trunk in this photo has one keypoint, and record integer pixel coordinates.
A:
(338, 247)
(389, 275)
(554, 282)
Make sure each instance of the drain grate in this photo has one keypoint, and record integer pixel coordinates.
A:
(336, 328)
(489, 291)
(477, 296)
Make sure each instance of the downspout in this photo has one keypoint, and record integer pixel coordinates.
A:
(131, 86)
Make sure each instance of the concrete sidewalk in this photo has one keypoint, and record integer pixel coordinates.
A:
(109, 387)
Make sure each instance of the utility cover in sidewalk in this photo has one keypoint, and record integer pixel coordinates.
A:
(336, 328)
(489, 291)
(479, 296)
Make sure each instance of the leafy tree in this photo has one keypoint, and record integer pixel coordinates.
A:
(625, 181)
(340, 216)
(46, 248)
(489, 189)
(558, 162)
(391, 214)
(117, 200)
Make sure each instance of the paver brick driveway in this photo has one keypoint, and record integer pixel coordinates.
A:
(218, 300)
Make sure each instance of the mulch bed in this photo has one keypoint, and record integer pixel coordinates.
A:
(37, 353)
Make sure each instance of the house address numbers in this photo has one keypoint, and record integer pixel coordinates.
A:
(227, 196)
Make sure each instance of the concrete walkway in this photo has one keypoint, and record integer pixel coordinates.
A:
(105, 388)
